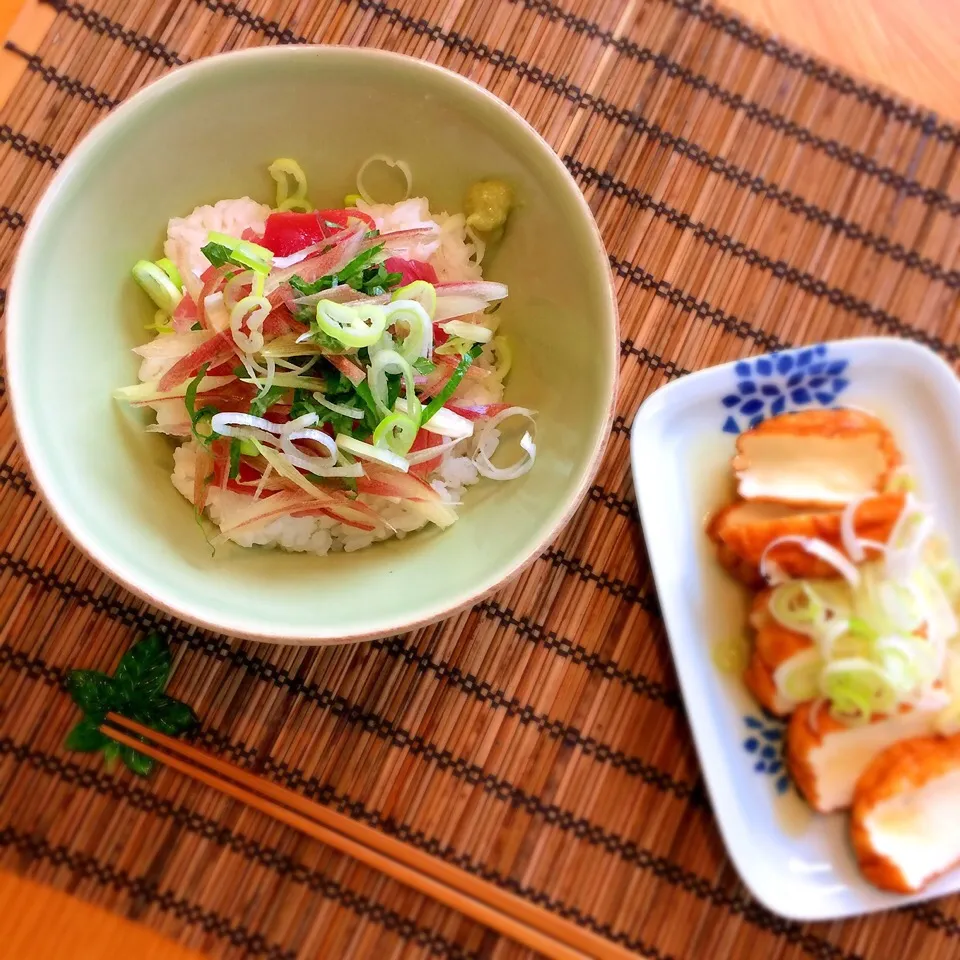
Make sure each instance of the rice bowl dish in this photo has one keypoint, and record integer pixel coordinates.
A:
(331, 377)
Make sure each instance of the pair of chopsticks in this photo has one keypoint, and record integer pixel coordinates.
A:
(490, 905)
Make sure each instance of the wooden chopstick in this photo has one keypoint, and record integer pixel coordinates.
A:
(490, 905)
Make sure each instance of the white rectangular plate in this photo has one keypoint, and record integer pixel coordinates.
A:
(796, 862)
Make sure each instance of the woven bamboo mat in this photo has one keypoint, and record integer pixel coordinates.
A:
(750, 197)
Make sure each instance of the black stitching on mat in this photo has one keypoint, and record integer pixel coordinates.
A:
(564, 647)
(699, 308)
(629, 592)
(670, 370)
(480, 689)
(62, 81)
(30, 148)
(109, 28)
(271, 858)
(17, 479)
(625, 506)
(770, 341)
(149, 619)
(779, 268)
(251, 850)
(571, 92)
(661, 867)
(269, 28)
(535, 74)
(484, 691)
(144, 890)
(12, 218)
(763, 116)
(620, 115)
(820, 71)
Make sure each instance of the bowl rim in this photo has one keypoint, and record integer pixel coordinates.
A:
(232, 624)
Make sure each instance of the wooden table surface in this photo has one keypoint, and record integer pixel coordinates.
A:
(912, 48)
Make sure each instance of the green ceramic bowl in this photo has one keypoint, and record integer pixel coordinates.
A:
(206, 132)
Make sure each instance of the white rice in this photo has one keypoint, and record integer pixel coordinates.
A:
(453, 255)
(322, 535)
(186, 235)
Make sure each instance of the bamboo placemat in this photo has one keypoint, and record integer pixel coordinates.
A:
(750, 197)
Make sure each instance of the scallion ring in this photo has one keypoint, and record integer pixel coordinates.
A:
(390, 162)
(170, 269)
(355, 325)
(424, 293)
(244, 252)
(157, 285)
(389, 361)
(280, 170)
(396, 432)
(418, 341)
(254, 310)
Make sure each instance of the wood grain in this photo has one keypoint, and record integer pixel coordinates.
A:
(41, 923)
(912, 48)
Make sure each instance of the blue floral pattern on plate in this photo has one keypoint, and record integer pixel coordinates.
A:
(783, 382)
(764, 743)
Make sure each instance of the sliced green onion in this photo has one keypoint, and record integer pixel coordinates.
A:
(367, 451)
(418, 341)
(254, 310)
(244, 252)
(231, 289)
(947, 573)
(798, 677)
(857, 688)
(157, 285)
(161, 323)
(474, 332)
(389, 361)
(170, 269)
(357, 325)
(390, 162)
(424, 293)
(795, 606)
(860, 629)
(396, 432)
(280, 170)
(352, 412)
